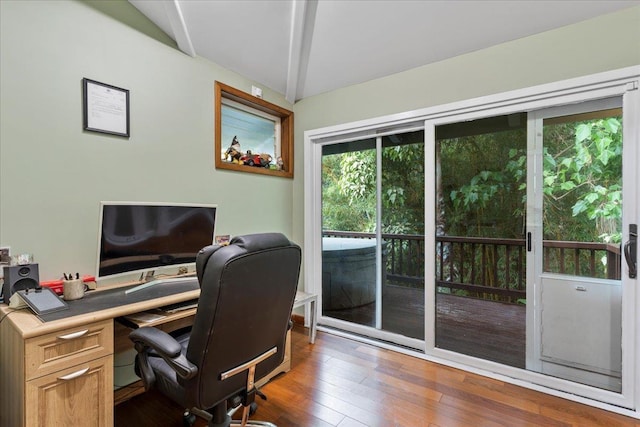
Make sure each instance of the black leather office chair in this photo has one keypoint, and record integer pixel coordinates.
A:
(238, 336)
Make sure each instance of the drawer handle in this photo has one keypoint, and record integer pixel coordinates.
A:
(73, 335)
(74, 374)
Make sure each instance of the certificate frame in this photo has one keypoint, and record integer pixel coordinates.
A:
(105, 108)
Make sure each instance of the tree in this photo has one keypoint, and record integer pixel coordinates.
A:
(348, 201)
(349, 187)
(484, 183)
(587, 173)
(581, 174)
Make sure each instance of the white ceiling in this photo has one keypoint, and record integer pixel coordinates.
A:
(301, 48)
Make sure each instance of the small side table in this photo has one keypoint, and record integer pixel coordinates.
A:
(304, 298)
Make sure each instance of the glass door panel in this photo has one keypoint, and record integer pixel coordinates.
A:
(580, 329)
(480, 238)
(349, 243)
(402, 224)
(373, 236)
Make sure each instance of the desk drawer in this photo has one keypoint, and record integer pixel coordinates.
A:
(49, 353)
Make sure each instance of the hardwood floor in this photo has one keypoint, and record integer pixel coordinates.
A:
(341, 382)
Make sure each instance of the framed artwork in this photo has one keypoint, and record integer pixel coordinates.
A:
(105, 108)
(251, 134)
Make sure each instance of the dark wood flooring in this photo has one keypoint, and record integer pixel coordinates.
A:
(344, 383)
(486, 329)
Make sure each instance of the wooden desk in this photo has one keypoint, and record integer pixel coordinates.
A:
(62, 371)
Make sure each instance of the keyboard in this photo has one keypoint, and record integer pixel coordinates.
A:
(179, 306)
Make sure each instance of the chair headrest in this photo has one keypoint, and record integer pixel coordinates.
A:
(261, 241)
(248, 242)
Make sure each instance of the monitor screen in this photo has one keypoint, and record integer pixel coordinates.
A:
(135, 237)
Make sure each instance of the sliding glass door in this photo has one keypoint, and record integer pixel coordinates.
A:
(577, 329)
(349, 243)
(497, 233)
(373, 235)
(480, 259)
(530, 222)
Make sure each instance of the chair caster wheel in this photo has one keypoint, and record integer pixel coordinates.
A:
(188, 419)
(253, 408)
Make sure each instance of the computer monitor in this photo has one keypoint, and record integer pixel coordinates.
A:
(142, 237)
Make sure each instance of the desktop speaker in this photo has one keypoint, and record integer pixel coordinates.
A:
(18, 278)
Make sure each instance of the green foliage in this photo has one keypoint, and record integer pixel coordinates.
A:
(586, 172)
(581, 175)
(403, 189)
(483, 184)
(349, 190)
(483, 188)
(346, 204)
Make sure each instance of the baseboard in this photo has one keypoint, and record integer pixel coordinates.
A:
(298, 319)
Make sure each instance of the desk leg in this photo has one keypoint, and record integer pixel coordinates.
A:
(312, 321)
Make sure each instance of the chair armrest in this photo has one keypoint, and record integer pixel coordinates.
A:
(165, 346)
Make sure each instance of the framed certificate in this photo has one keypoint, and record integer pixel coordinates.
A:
(106, 108)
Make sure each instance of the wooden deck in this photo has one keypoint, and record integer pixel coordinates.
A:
(486, 329)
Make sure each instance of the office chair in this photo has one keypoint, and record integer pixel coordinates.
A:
(247, 290)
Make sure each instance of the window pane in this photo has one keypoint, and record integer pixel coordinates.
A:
(582, 208)
(252, 132)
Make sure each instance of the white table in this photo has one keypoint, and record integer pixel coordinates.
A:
(304, 298)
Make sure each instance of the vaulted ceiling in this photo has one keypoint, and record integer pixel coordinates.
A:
(301, 48)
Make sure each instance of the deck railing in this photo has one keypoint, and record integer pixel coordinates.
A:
(487, 268)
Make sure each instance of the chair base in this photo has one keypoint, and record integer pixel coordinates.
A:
(188, 417)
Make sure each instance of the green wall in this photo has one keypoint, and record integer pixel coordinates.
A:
(605, 43)
(53, 174)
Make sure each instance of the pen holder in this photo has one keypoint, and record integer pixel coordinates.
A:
(72, 289)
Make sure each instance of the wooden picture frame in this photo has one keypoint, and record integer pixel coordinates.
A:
(236, 148)
(105, 108)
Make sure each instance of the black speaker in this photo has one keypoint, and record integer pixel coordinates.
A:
(18, 278)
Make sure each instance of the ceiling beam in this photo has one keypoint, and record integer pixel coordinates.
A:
(303, 18)
(178, 26)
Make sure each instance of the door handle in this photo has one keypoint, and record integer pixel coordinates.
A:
(630, 251)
